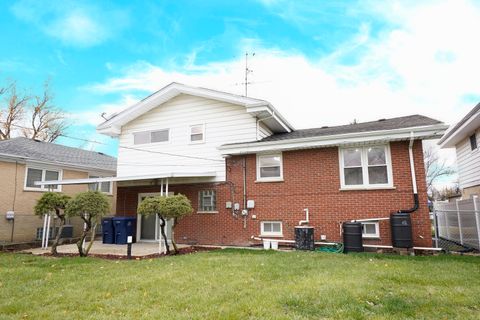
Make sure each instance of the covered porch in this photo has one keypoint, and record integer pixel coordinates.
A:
(131, 190)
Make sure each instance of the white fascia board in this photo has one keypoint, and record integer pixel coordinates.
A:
(129, 178)
(461, 133)
(425, 132)
(113, 126)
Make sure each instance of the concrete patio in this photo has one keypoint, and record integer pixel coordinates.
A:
(139, 249)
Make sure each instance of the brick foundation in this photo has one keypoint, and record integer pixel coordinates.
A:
(311, 180)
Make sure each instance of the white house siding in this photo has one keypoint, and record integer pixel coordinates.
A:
(224, 123)
(468, 163)
(263, 131)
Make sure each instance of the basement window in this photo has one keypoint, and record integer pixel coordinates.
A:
(271, 228)
(473, 141)
(370, 229)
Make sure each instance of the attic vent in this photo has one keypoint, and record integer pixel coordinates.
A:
(383, 119)
(101, 153)
(36, 140)
(324, 127)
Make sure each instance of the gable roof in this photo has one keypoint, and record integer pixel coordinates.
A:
(258, 108)
(462, 129)
(34, 150)
(383, 130)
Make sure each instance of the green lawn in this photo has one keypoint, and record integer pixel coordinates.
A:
(241, 284)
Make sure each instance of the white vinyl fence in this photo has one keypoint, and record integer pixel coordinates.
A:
(459, 221)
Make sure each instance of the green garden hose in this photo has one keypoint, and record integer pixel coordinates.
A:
(334, 248)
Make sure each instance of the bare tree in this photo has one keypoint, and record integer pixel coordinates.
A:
(11, 110)
(33, 116)
(435, 167)
(47, 122)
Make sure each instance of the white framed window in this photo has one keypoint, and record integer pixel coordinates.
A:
(269, 167)
(207, 201)
(197, 133)
(35, 174)
(104, 187)
(271, 228)
(370, 229)
(473, 141)
(365, 167)
(155, 136)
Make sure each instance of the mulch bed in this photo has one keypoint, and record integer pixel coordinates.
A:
(182, 251)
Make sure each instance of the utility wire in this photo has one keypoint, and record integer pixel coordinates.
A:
(128, 148)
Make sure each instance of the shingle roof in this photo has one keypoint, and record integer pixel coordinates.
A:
(55, 153)
(382, 124)
(460, 123)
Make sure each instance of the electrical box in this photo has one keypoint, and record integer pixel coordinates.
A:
(250, 204)
(323, 237)
(236, 206)
(244, 212)
(228, 205)
(10, 215)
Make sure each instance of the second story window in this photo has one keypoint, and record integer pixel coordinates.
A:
(473, 141)
(38, 174)
(197, 133)
(151, 136)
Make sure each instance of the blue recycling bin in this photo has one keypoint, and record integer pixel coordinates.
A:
(124, 227)
(108, 235)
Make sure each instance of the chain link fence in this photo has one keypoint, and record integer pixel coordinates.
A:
(457, 224)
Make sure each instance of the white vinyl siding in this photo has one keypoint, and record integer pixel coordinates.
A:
(365, 167)
(223, 123)
(269, 167)
(468, 162)
(271, 228)
(34, 174)
(263, 131)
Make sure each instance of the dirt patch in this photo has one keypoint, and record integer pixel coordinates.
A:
(182, 251)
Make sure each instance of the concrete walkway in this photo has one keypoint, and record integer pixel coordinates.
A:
(139, 249)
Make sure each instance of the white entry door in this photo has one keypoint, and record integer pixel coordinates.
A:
(148, 228)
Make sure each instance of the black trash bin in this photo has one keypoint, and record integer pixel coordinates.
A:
(304, 239)
(352, 237)
(108, 235)
(124, 227)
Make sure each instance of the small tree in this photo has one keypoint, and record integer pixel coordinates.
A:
(155, 206)
(90, 206)
(53, 202)
(176, 207)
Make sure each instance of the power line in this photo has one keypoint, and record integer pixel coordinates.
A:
(129, 148)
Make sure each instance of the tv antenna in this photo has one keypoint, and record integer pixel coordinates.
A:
(247, 72)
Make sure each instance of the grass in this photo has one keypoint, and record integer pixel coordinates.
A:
(241, 284)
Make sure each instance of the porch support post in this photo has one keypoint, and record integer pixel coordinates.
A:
(161, 187)
(166, 187)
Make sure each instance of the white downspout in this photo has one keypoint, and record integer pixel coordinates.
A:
(412, 163)
(306, 218)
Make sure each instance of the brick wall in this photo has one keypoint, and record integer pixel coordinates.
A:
(311, 180)
(23, 201)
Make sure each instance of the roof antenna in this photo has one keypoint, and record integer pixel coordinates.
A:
(103, 115)
(247, 71)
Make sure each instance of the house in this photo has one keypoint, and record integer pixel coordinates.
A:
(248, 172)
(465, 138)
(25, 161)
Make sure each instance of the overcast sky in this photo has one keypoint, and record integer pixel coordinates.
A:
(319, 62)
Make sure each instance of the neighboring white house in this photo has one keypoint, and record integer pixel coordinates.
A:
(465, 138)
(177, 130)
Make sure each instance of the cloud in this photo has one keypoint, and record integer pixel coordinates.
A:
(74, 23)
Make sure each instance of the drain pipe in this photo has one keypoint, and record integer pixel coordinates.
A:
(306, 218)
(414, 179)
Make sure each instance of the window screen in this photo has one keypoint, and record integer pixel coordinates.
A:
(159, 136)
(473, 141)
(33, 175)
(196, 133)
